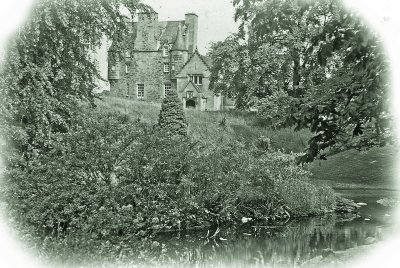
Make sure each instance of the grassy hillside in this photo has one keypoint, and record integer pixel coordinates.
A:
(207, 125)
(352, 169)
(372, 169)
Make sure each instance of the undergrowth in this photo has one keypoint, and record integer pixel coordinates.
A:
(114, 178)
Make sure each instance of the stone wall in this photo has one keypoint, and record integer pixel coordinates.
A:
(147, 31)
(143, 68)
(147, 69)
(204, 99)
(178, 58)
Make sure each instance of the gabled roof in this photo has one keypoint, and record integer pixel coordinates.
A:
(202, 58)
(207, 60)
(198, 89)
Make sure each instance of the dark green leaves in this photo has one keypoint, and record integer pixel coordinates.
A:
(338, 72)
(172, 119)
(50, 68)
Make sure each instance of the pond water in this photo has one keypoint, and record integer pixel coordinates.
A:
(291, 244)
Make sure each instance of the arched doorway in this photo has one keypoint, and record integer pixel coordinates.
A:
(191, 104)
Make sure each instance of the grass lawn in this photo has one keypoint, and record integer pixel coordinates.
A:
(372, 169)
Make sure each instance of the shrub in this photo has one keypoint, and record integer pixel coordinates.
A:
(172, 118)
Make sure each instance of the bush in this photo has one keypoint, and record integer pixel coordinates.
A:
(172, 118)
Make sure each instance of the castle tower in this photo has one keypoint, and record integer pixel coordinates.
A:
(179, 51)
(191, 20)
(147, 31)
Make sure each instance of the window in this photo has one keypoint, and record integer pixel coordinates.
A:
(166, 67)
(173, 66)
(197, 79)
(140, 91)
(165, 51)
(126, 68)
(113, 68)
(127, 54)
(127, 90)
(167, 89)
(189, 94)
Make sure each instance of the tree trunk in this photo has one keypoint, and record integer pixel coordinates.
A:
(296, 75)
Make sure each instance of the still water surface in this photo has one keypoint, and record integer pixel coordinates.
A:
(292, 244)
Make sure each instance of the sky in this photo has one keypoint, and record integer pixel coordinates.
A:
(215, 24)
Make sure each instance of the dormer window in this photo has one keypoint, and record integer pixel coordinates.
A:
(165, 51)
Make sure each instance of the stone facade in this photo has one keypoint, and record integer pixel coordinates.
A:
(159, 56)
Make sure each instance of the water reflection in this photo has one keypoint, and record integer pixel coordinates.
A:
(308, 242)
(288, 245)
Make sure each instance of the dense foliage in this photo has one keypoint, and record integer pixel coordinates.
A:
(112, 178)
(49, 67)
(308, 64)
(172, 118)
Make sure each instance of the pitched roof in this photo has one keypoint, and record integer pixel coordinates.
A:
(169, 30)
(179, 42)
(207, 60)
(204, 59)
(196, 87)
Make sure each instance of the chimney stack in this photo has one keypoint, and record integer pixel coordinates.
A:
(191, 20)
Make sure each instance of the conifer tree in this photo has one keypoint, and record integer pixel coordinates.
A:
(172, 118)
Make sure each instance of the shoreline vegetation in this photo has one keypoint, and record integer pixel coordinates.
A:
(117, 177)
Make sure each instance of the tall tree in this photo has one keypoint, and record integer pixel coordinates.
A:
(49, 67)
(338, 72)
(287, 25)
(230, 69)
(351, 109)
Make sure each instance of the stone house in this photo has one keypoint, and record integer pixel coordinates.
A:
(159, 56)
